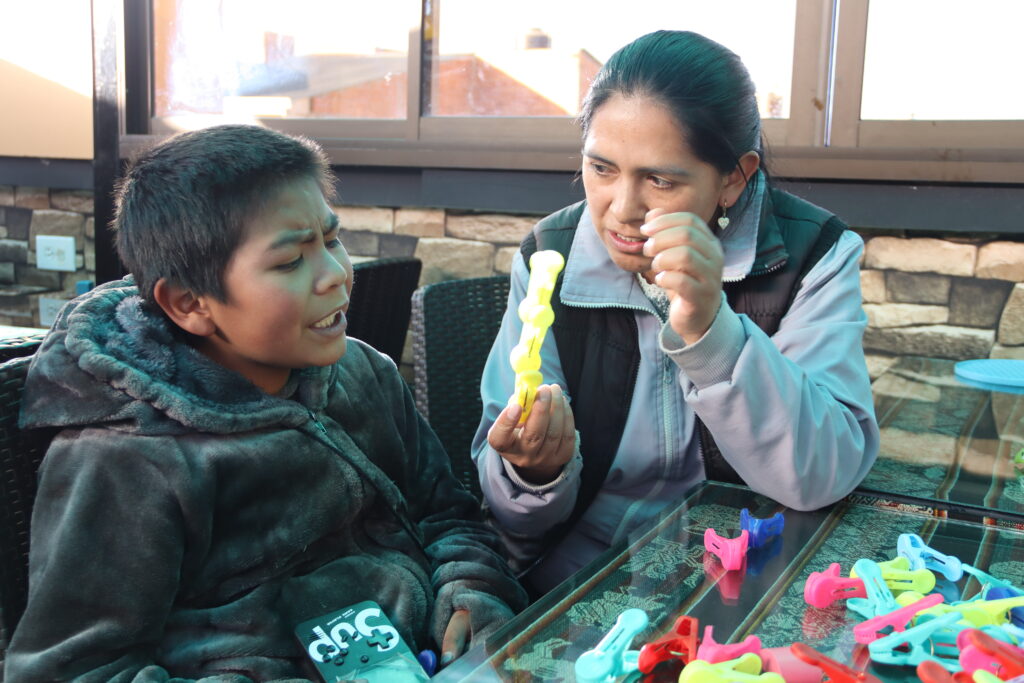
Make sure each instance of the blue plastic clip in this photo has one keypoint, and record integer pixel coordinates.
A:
(919, 640)
(913, 547)
(880, 599)
(610, 659)
(999, 592)
(761, 529)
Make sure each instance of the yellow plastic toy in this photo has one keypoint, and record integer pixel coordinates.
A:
(745, 668)
(977, 613)
(536, 313)
(899, 577)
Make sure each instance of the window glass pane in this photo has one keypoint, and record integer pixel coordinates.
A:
(943, 59)
(537, 57)
(299, 58)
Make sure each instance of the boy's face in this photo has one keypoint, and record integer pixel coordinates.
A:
(288, 286)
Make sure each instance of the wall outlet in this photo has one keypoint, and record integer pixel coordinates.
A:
(48, 310)
(55, 253)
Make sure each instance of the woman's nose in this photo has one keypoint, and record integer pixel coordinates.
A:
(627, 205)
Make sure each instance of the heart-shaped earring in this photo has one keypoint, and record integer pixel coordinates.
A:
(723, 220)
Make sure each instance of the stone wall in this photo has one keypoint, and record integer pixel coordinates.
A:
(950, 297)
(26, 212)
(954, 298)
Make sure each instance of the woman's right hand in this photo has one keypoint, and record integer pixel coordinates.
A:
(541, 447)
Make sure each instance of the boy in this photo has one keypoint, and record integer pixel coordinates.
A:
(229, 465)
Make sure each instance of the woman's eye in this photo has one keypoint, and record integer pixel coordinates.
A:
(333, 243)
(599, 169)
(660, 183)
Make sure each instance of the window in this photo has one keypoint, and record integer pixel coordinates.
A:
(881, 89)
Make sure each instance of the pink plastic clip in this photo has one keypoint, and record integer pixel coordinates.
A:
(978, 650)
(867, 631)
(730, 551)
(679, 643)
(712, 652)
(824, 588)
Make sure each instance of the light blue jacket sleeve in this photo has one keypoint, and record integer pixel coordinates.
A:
(523, 511)
(793, 414)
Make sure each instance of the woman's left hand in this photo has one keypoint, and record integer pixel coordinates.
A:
(455, 637)
(687, 263)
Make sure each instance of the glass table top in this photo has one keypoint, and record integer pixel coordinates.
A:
(665, 571)
(946, 441)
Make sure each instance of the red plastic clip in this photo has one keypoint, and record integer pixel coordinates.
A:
(824, 588)
(930, 671)
(679, 643)
(730, 551)
(835, 672)
(712, 652)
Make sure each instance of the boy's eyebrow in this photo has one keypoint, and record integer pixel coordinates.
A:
(646, 170)
(302, 235)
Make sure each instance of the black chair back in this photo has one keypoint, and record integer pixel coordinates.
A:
(454, 325)
(382, 301)
(20, 455)
(16, 347)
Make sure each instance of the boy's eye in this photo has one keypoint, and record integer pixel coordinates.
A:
(291, 265)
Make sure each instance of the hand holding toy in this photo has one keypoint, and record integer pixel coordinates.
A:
(536, 313)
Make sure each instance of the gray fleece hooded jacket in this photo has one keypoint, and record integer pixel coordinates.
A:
(186, 521)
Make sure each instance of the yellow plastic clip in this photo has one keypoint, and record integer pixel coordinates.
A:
(977, 613)
(899, 577)
(740, 670)
(536, 313)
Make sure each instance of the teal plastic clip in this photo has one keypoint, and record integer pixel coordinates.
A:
(920, 640)
(879, 598)
(913, 547)
(610, 659)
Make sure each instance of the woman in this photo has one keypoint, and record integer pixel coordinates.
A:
(668, 374)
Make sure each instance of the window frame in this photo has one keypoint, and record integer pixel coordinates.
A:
(823, 138)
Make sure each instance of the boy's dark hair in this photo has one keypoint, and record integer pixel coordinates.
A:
(182, 206)
(702, 83)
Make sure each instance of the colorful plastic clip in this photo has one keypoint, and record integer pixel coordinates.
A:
(867, 631)
(728, 583)
(834, 671)
(712, 652)
(746, 668)
(988, 581)
(932, 672)
(978, 613)
(879, 599)
(824, 588)
(761, 529)
(981, 651)
(679, 643)
(537, 315)
(997, 592)
(913, 547)
(730, 551)
(611, 658)
(913, 646)
(898, 576)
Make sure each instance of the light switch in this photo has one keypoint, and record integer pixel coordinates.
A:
(55, 253)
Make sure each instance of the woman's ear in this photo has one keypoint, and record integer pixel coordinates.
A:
(736, 181)
(186, 310)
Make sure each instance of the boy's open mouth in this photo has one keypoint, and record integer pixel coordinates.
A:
(328, 322)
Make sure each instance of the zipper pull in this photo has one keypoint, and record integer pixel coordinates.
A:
(313, 417)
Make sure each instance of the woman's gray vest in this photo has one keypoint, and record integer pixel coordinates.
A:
(599, 350)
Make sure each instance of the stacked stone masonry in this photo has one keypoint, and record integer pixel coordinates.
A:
(950, 297)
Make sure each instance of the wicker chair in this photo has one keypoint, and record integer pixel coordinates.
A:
(20, 454)
(381, 303)
(454, 324)
(16, 347)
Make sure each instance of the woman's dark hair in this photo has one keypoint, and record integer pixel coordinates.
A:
(182, 207)
(702, 83)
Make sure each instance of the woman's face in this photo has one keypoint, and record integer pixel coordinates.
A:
(635, 159)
